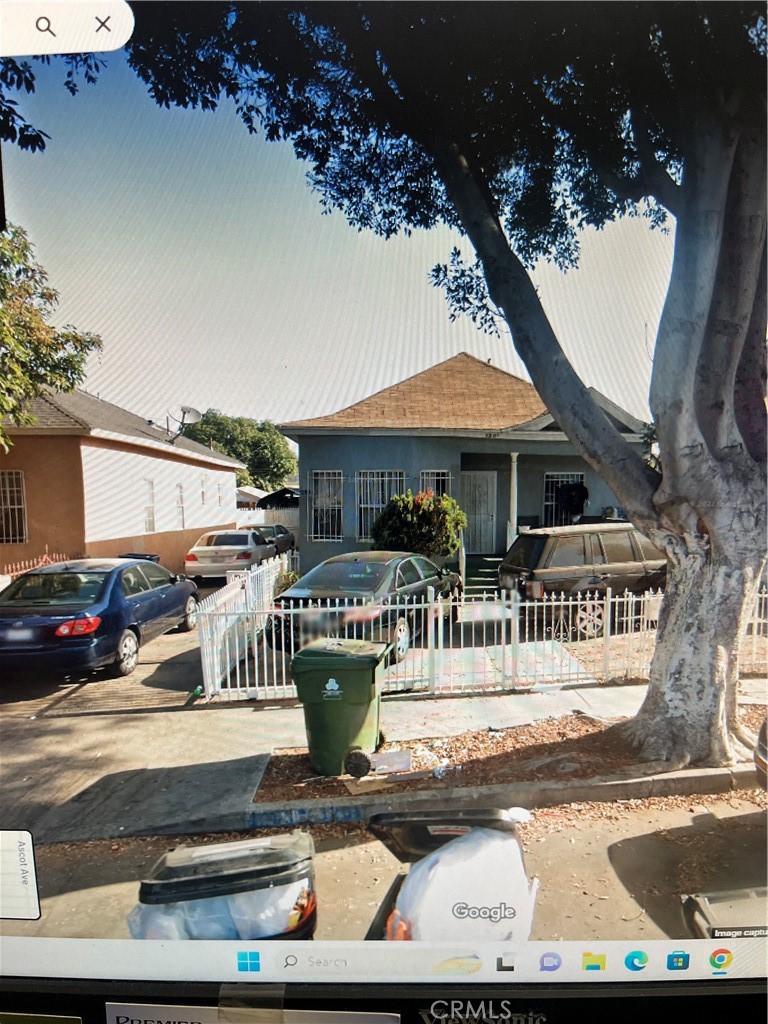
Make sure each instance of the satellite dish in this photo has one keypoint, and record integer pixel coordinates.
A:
(190, 415)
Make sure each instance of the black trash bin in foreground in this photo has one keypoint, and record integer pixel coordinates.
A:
(251, 889)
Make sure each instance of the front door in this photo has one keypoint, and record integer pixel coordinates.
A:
(478, 501)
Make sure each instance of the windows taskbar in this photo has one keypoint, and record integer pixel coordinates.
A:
(290, 962)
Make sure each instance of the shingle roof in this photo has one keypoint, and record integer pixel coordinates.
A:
(460, 393)
(77, 411)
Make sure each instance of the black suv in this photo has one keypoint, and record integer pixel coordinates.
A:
(582, 559)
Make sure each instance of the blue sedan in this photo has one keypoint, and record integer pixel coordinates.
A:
(73, 617)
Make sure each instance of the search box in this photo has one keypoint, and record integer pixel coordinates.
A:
(83, 26)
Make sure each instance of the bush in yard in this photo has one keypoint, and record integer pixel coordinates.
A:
(423, 522)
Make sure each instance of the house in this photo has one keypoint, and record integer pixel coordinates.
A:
(89, 478)
(286, 497)
(462, 427)
(248, 497)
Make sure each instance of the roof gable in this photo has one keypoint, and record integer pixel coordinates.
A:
(460, 393)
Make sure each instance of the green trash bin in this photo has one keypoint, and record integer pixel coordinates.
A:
(339, 684)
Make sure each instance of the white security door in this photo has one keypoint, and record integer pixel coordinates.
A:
(478, 501)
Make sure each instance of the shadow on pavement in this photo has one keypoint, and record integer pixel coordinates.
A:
(163, 681)
(711, 855)
(157, 801)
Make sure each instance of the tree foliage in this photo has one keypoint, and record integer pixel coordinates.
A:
(425, 523)
(34, 354)
(260, 445)
(17, 77)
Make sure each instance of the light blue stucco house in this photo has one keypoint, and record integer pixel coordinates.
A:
(464, 428)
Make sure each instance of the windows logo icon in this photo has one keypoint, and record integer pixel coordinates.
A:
(249, 962)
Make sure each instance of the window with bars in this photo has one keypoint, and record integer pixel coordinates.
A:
(326, 491)
(374, 489)
(180, 517)
(13, 512)
(437, 480)
(149, 507)
(556, 512)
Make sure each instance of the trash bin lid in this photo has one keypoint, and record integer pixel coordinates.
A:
(338, 653)
(411, 835)
(200, 872)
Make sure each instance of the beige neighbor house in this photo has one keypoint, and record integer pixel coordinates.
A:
(89, 478)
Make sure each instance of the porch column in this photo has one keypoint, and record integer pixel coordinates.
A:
(512, 521)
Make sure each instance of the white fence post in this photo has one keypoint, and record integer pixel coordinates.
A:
(607, 609)
(432, 624)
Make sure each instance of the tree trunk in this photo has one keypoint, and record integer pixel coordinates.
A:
(708, 510)
(689, 715)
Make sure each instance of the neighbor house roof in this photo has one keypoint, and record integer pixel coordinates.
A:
(78, 412)
(460, 393)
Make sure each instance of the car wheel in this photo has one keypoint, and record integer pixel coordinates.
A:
(189, 620)
(127, 654)
(588, 619)
(401, 638)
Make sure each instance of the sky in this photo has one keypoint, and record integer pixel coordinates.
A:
(202, 258)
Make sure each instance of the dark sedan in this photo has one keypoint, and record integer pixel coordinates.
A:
(282, 538)
(73, 617)
(377, 594)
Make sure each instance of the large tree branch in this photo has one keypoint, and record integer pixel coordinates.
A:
(734, 295)
(752, 376)
(685, 315)
(510, 287)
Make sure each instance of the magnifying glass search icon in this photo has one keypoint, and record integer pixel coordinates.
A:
(290, 961)
(44, 25)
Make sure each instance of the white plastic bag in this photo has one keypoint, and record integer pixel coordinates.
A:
(474, 887)
(264, 912)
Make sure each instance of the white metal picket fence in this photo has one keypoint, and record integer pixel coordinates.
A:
(224, 617)
(247, 640)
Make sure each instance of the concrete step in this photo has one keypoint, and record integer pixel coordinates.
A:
(482, 575)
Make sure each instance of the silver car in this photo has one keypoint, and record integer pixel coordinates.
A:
(222, 551)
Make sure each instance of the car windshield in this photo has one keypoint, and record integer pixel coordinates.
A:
(266, 531)
(524, 553)
(223, 540)
(360, 577)
(73, 589)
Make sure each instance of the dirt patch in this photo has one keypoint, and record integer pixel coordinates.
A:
(570, 747)
(634, 651)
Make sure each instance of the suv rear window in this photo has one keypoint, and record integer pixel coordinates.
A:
(568, 551)
(617, 547)
(525, 552)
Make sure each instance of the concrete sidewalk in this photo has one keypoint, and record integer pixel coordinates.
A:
(101, 775)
